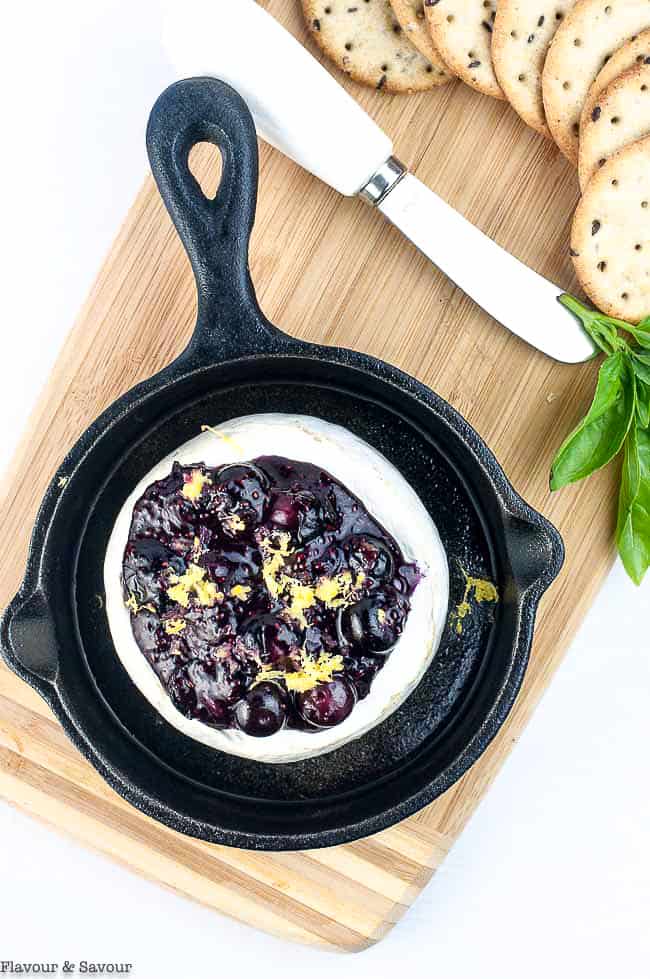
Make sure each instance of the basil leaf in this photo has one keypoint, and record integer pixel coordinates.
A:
(602, 329)
(641, 333)
(600, 435)
(633, 529)
(641, 366)
(619, 415)
(642, 403)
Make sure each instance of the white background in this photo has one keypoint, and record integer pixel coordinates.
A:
(552, 876)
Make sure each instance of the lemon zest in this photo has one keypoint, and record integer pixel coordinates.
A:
(228, 439)
(194, 487)
(484, 591)
(335, 592)
(274, 551)
(339, 590)
(234, 523)
(174, 626)
(132, 604)
(311, 673)
(241, 591)
(193, 583)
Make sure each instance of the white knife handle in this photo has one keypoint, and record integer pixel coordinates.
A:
(317, 124)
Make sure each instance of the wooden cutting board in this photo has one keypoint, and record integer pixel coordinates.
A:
(330, 270)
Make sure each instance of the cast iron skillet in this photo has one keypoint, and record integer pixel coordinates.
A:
(55, 633)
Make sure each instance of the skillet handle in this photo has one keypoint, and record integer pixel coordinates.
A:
(27, 638)
(216, 232)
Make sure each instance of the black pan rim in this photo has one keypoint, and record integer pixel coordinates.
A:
(509, 501)
(232, 332)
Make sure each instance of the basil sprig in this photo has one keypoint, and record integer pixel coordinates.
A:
(618, 419)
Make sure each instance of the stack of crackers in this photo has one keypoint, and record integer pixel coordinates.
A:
(576, 71)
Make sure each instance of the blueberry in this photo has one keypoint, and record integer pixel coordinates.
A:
(205, 627)
(375, 623)
(362, 668)
(168, 521)
(163, 513)
(327, 559)
(148, 634)
(181, 691)
(168, 486)
(143, 569)
(214, 712)
(166, 664)
(210, 661)
(262, 711)
(315, 516)
(284, 512)
(303, 513)
(327, 704)
(274, 637)
(216, 678)
(239, 499)
(164, 653)
(217, 686)
(371, 557)
(237, 565)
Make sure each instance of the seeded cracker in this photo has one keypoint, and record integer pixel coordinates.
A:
(628, 55)
(364, 39)
(610, 237)
(412, 20)
(462, 33)
(523, 30)
(620, 117)
(584, 41)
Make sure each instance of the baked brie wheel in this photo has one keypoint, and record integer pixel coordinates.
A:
(275, 588)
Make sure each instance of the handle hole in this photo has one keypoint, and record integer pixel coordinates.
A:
(206, 165)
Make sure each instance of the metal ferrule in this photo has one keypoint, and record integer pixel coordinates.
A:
(381, 183)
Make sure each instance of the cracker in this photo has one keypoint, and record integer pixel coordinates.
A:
(364, 39)
(628, 55)
(620, 116)
(610, 236)
(411, 18)
(523, 30)
(462, 33)
(586, 38)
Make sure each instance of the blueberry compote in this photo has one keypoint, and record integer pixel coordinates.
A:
(263, 594)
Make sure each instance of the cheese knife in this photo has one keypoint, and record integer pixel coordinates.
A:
(301, 110)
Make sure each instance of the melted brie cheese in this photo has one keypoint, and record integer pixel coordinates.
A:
(387, 497)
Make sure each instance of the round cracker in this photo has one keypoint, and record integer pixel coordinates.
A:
(411, 18)
(523, 30)
(628, 55)
(620, 116)
(365, 40)
(462, 33)
(610, 236)
(585, 39)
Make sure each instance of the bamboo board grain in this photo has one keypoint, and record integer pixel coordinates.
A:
(330, 270)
